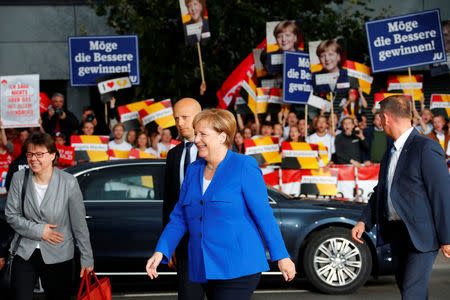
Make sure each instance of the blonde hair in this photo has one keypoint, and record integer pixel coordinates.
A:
(221, 121)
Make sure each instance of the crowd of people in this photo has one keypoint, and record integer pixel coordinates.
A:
(346, 133)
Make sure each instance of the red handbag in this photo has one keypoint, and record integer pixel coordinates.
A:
(99, 290)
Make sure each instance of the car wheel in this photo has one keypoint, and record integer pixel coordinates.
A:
(334, 263)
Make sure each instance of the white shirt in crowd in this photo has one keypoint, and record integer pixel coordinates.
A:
(286, 130)
(193, 156)
(163, 148)
(152, 151)
(398, 144)
(124, 146)
(40, 193)
(327, 140)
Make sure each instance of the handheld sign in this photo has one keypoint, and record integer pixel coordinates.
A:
(94, 56)
(20, 101)
(109, 84)
(195, 21)
(296, 78)
(405, 41)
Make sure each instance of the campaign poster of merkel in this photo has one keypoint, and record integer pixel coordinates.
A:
(91, 57)
(405, 41)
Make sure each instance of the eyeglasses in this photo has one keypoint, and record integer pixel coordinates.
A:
(37, 154)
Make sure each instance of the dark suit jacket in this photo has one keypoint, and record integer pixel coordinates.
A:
(420, 194)
(172, 181)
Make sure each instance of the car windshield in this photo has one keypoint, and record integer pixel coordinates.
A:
(273, 190)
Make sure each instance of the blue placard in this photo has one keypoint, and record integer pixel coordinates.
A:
(405, 41)
(297, 78)
(95, 56)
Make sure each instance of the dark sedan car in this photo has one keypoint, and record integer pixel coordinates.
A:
(123, 200)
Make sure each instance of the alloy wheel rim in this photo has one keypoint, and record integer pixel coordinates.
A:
(337, 262)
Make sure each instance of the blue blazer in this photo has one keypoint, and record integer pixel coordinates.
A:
(225, 223)
(420, 194)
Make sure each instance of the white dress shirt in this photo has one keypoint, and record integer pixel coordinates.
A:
(193, 157)
(398, 144)
(40, 193)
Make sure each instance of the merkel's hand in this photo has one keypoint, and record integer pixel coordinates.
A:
(173, 262)
(87, 270)
(152, 264)
(446, 250)
(52, 236)
(358, 231)
(287, 268)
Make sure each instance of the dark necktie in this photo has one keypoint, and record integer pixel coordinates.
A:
(386, 186)
(187, 157)
(389, 162)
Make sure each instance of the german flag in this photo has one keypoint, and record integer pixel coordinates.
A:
(403, 82)
(381, 96)
(135, 153)
(440, 101)
(160, 112)
(276, 96)
(323, 153)
(262, 99)
(264, 149)
(275, 100)
(118, 154)
(129, 113)
(362, 73)
(299, 156)
(319, 182)
(271, 176)
(90, 147)
(248, 91)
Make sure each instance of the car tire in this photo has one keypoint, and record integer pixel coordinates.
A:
(334, 263)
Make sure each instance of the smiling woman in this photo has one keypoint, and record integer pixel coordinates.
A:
(51, 216)
(223, 204)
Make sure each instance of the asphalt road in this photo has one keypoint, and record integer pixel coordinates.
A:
(273, 287)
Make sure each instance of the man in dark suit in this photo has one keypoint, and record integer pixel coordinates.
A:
(410, 205)
(177, 161)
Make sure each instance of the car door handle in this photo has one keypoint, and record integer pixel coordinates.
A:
(88, 217)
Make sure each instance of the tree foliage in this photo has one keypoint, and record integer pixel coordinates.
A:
(170, 68)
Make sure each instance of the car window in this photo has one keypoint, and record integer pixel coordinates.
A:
(123, 183)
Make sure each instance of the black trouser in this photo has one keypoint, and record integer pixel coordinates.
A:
(241, 288)
(56, 278)
(187, 290)
(412, 268)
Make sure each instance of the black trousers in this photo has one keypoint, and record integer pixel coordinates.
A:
(56, 278)
(241, 288)
(187, 290)
(412, 268)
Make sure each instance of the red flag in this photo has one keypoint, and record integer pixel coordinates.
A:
(44, 102)
(66, 154)
(232, 84)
